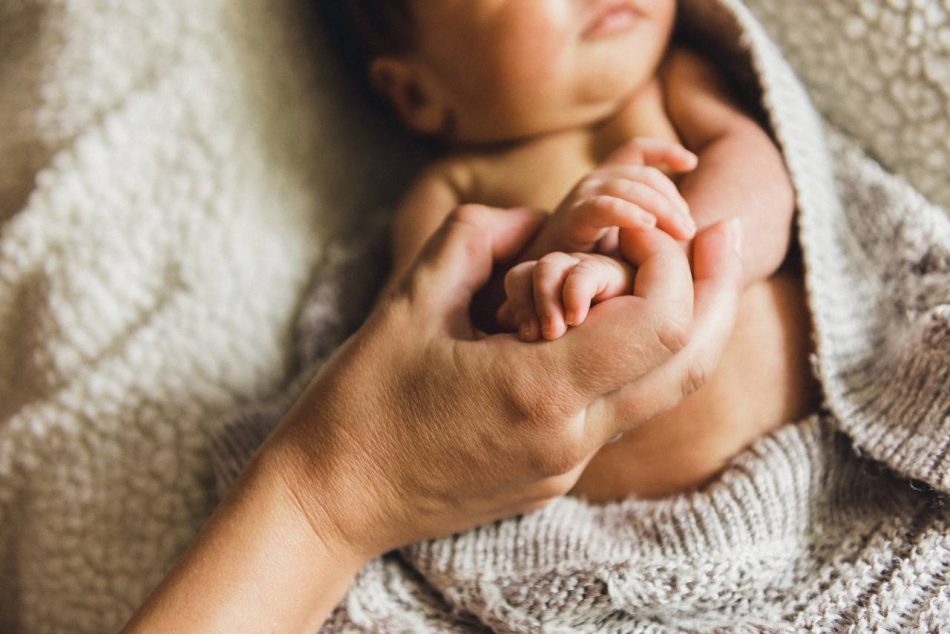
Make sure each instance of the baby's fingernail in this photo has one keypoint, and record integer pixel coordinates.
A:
(533, 328)
(525, 331)
(648, 220)
(571, 318)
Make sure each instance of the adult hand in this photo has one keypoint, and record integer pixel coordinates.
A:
(421, 425)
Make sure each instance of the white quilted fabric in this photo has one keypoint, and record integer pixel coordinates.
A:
(880, 70)
(162, 166)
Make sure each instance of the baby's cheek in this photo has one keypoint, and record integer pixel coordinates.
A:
(530, 79)
(531, 43)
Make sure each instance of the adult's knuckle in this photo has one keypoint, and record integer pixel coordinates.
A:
(549, 488)
(552, 459)
(468, 215)
(470, 236)
(672, 333)
(694, 377)
(460, 229)
(527, 401)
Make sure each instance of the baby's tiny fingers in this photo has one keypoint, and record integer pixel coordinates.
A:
(595, 279)
(549, 275)
(672, 154)
(652, 177)
(594, 216)
(669, 216)
(520, 294)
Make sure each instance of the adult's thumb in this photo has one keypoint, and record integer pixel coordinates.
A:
(459, 257)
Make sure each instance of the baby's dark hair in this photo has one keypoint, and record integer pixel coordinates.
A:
(365, 29)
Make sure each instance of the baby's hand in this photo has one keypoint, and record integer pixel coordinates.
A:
(546, 296)
(628, 191)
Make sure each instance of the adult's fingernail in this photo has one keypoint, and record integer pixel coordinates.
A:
(688, 225)
(735, 235)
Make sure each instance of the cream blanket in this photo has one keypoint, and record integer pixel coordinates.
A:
(169, 176)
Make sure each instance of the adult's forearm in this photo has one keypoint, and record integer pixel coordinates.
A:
(257, 566)
(731, 181)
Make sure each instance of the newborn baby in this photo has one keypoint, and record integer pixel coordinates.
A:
(592, 109)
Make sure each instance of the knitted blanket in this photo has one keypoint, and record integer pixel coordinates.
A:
(167, 183)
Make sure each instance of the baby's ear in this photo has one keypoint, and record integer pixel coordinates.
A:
(411, 91)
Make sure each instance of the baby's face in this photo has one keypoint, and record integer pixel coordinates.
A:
(508, 69)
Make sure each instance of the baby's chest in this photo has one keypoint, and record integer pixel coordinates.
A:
(540, 180)
(542, 172)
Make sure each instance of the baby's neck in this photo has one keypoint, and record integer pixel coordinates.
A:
(634, 115)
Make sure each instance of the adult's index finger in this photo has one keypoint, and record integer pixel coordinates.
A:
(625, 337)
(718, 272)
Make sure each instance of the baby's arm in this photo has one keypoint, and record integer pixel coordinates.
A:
(432, 196)
(740, 171)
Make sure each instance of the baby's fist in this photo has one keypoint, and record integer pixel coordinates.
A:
(546, 296)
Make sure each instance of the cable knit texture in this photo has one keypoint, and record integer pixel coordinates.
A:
(170, 173)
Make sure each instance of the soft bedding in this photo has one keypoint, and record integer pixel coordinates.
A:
(171, 175)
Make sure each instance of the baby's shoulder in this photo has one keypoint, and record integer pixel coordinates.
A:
(443, 180)
(534, 171)
(684, 66)
(454, 170)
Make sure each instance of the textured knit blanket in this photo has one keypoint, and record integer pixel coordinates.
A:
(170, 173)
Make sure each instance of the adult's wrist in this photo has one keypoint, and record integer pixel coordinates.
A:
(327, 469)
(319, 493)
(258, 565)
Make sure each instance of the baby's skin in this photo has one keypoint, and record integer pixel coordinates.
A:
(587, 108)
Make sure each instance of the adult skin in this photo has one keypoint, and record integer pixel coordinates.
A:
(400, 439)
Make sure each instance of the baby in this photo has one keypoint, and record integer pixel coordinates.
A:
(594, 110)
